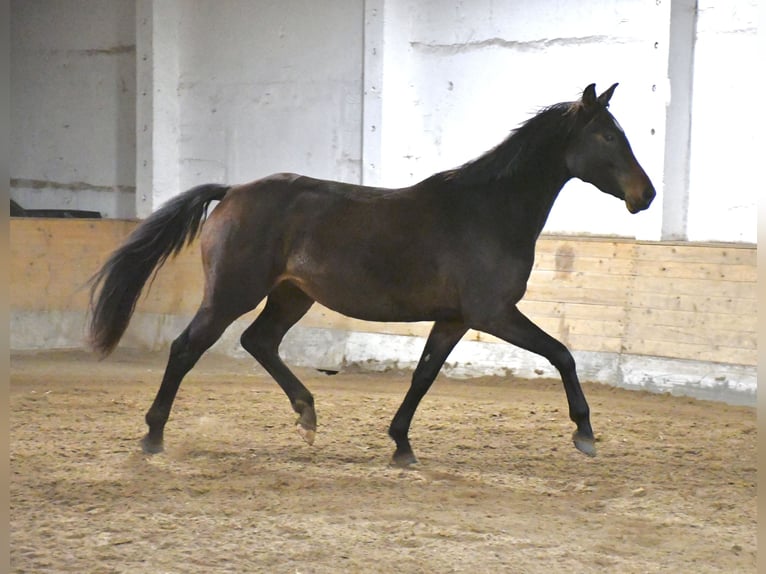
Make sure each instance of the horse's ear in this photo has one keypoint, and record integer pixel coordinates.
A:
(604, 98)
(589, 96)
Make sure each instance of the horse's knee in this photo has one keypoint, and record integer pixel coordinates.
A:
(180, 344)
(563, 360)
(568, 363)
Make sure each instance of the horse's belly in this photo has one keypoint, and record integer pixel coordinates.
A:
(369, 298)
(390, 311)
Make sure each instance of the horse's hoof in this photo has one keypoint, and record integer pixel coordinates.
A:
(403, 459)
(586, 445)
(306, 434)
(306, 425)
(151, 446)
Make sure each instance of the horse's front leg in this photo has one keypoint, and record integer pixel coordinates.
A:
(442, 339)
(515, 328)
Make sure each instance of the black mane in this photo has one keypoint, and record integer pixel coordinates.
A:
(553, 124)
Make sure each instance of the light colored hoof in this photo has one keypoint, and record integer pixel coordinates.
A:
(403, 460)
(584, 445)
(151, 447)
(306, 434)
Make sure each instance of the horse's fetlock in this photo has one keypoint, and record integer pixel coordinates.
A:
(397, 433)
(300, 405)
(155, 419)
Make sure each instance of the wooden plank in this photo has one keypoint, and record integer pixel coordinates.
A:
(29, 270)
(51, 260)
(573, 263)
(579, 279)
(565, 326)
(709, 322)
(557, 292)
(687, 286)
(695, 335)
(583, 247)
(574, 341)
(724, 254)
(697, 270)
(594, 343)
(536, 309)
(716, 354)
(693, 302)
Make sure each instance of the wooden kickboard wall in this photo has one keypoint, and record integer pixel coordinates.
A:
(675, 300)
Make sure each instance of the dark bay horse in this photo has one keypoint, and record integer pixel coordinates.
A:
(456, 249)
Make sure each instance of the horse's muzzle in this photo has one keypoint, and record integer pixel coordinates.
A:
(645, 200)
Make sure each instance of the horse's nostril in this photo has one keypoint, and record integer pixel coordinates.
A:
(649, 194)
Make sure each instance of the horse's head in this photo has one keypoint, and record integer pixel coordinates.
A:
(601, 155)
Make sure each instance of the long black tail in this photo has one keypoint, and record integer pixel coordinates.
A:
(116, 287)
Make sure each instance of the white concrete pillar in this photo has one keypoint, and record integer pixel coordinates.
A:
(157, 106)
(372, 103)
(655, 99)
(675, 188)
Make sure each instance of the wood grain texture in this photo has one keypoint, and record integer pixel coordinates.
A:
(676, 300)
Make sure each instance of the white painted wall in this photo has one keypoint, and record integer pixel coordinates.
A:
(726, 154)
(72, 135)
(403, 87)
(270, 86)
(158, 173)
(460, 75)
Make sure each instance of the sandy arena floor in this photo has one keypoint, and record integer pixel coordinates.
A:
(499, 487)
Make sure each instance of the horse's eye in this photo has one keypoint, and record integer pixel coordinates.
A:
(609, 137)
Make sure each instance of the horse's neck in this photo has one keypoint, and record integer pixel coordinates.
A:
(532, 193)
(534, 175)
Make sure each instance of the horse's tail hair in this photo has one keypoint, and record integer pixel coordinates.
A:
(116, 287)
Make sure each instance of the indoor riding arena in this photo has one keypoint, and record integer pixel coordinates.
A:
(119, 106)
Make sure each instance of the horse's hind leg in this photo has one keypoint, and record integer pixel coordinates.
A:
(203, 330)
(442, 339)
(285, 305)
